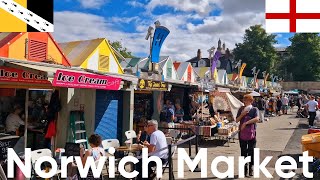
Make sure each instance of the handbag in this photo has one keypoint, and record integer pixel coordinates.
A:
(249, 132)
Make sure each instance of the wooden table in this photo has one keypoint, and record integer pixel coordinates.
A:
(134, 148)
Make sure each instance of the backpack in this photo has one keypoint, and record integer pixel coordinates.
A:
(248, 133)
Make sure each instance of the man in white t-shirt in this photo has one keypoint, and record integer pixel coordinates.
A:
(157, 141)
(285, 104)
(312, 107)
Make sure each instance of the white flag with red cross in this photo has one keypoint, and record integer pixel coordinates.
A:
(293, 16)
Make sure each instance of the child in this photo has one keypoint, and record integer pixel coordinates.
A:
(96, 151)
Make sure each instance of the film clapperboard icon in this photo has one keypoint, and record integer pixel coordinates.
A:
(26, 16)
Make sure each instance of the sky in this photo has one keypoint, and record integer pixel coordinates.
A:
(193, 24)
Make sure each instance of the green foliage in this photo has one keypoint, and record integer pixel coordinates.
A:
(257, 50)
(304, 59)
(122, 50)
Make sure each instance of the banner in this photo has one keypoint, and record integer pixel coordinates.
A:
(85, 80)
(242, 69)
(8, 74)
(159, 36)
(214, 63)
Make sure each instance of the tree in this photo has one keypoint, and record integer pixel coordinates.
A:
(257, 50)
(122, 50)
(304, 61)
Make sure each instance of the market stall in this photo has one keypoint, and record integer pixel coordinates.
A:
(226, 105)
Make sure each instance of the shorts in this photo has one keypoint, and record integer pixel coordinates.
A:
(284, 107)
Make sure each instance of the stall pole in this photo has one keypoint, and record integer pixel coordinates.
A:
(197, 169)
(26, 118)
(189, 132)
(170, 162)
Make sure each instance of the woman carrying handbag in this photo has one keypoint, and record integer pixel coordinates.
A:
(248, 117)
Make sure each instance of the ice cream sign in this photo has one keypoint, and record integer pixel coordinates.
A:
(72, 79)
(8, 74)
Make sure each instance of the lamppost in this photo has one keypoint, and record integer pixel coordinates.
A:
(239, 69)
(202, 83)
(264, 74)
(255, 74)
(211, 51)
(150, 36)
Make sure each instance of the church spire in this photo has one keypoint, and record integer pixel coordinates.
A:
(219, 45)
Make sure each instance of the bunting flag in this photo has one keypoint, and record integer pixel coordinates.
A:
(26, 16)
(215, 74)
(159, 36)
(241, 72)
(214, 64)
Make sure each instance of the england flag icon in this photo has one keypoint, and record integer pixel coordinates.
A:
(283, 16)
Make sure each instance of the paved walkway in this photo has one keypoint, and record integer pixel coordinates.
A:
(272, 138)
(279, 136)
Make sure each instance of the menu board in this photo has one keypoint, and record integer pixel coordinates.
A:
(5, 143)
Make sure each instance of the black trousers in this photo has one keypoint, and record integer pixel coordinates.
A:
(247, 149)
(150, 171)
(312, 116)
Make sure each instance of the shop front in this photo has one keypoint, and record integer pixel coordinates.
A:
(148, 100)
(30, 85)
(25, 98)
(90, 95)
(184, 94)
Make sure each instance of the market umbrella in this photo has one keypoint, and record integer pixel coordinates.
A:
(254, 93)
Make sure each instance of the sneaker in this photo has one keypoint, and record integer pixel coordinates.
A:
(250, 171)
(246, 170)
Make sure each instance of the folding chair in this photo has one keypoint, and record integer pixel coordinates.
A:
(108, 143)
(37, 154)
(166, 164)
(130, 134)
(175, 135)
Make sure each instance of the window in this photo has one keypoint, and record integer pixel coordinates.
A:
(104, 63)
(37, 50)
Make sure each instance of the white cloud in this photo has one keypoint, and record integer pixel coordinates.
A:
(202, 7)
(185, 37)
(92, 4)
(135, 3)
(69, 28)
(125, 20)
